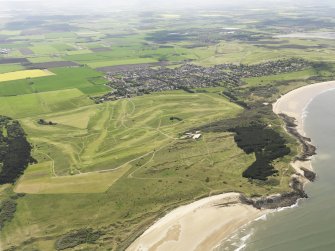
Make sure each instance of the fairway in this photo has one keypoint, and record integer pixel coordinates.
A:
(97, 138)
(22, 106)
(38, 180)
(24, 74)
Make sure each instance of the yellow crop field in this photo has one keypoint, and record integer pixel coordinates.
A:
(24, 74)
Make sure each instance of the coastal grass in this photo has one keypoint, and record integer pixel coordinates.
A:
(266, 80)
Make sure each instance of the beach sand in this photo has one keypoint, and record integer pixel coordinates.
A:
(204, 224)
(201, 225)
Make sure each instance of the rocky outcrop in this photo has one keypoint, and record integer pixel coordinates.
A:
(310, 175)
(308, 150)
(279, 200)
(273, 201)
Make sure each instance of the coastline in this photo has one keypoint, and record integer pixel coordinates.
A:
(204, 224)
(293, 105)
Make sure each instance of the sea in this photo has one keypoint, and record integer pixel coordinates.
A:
(309, 225)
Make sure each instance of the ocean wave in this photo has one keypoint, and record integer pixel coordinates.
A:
(243, 241)
(263, 218)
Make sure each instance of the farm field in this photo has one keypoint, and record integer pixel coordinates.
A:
(85, 79)
(10, 68)
(24, 75)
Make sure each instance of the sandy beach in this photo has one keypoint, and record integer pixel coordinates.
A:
(201, 225)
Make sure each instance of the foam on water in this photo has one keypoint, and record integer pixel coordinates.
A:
(243, 242)
(263, 217)
(289, 207)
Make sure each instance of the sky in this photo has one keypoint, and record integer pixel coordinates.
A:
(36, 6)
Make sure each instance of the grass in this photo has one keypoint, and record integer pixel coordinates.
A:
(25, 74)
(122, 62)
(42, 59)
(78, 52)
(44, 49)
(237, 52)
(135, 54)
(299, 75)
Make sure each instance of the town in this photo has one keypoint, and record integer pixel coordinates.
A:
(144, 80)
(4, 51)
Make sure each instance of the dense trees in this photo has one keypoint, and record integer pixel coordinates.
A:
(15, 150)
(267, 145)
(77, 237)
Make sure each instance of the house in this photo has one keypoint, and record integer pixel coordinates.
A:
(196, 136)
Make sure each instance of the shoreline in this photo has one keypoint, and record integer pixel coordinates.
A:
(295, 102)
(206, 223)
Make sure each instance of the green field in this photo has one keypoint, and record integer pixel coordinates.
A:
(83, 78)
(24, 74)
